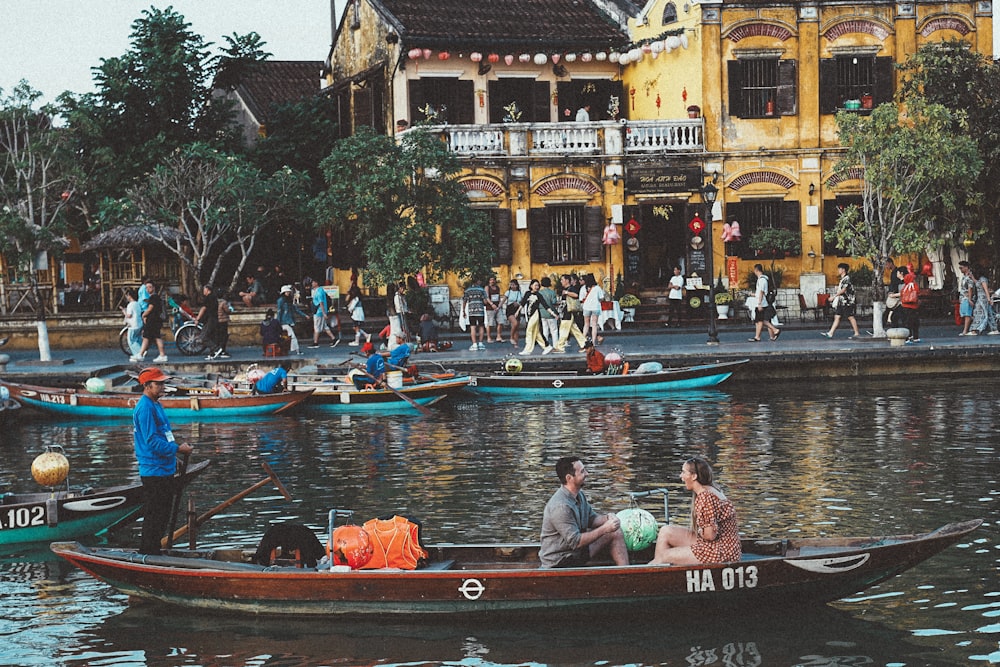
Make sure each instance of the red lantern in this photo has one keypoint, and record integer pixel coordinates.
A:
(493, 57)
(351, 546)
(444, 55)
(928, 270)
(696, 224)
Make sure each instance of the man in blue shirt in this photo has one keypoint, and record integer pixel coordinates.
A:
(156, 452)
(400, 355)
(374, 368)
(273, 382)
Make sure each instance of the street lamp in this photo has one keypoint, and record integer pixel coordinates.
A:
(708, 194)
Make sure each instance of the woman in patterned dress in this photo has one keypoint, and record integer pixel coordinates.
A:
(714, 535)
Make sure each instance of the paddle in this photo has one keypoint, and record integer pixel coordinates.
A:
(176, 506)
(271, 477)
(423, 409)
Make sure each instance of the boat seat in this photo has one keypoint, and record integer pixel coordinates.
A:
(439, 565)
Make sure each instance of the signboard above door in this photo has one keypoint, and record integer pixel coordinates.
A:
(654, 180)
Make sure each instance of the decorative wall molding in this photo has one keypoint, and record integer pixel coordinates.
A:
(758, 177)
(955, 23)
(566, 183)
(853, 174)
(486, 185)
(758, 29)
(863, 26)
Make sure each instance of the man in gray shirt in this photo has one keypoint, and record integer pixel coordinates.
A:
(572, 533)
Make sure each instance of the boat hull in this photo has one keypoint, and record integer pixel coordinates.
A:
(558, 386)
(343, 398)
(84, 404)
(486, 580)
(39, 518)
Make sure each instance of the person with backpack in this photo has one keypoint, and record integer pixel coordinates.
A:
(764, 310)
(843, 302)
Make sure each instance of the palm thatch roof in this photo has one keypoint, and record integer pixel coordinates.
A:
(128, 237)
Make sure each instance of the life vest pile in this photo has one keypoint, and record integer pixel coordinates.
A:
(395, 542)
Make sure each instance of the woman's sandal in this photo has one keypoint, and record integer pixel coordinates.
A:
(753, 340)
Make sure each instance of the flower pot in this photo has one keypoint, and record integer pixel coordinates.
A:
(723, 310)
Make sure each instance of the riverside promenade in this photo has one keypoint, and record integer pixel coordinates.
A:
(801, 354)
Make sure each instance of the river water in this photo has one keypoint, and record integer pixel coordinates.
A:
(800, 459)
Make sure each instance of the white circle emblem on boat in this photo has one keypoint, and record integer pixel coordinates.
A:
(472, 589)
(557, 383)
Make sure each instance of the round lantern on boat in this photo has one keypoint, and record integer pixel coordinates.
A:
(612, 358)
(50, 468)
(96, 385)
(513, 366)
(639, 528)
(351, 546)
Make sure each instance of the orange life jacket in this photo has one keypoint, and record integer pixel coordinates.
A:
(396, 543)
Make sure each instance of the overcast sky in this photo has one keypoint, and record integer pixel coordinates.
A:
(55, 43)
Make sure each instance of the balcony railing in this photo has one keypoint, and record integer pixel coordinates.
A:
(598, 138)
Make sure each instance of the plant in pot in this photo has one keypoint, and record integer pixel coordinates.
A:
(775, 242)
(723, 300)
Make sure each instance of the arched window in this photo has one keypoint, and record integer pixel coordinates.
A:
(669, 13)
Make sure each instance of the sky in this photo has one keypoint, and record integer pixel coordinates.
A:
(55, 43)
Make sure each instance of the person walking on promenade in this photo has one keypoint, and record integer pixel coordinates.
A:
(844, 302)
(495, 315)
(550, 318)
(474, 305)
(983, 317)
(763, 310)
(967, 296)
(512, 308)
(568, 324)
(208, 317)
(286, 317)
(532, 305)
(320, 312)
(152, 322)
(155, 451)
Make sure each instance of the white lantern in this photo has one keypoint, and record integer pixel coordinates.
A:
(674, 42)
(614, 57)
(635, 55)
(415, 53)
(600, 56)
(509, 59)
(427, 54)
(525, 57)
(586, 57)
(571, 57)
(475, 56)
(684, 39)
(656, 48)
(541, 58)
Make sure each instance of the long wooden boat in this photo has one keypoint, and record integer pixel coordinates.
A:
(79, 403)
(40, 518)
(337, 395)
(571, 384)
(504, 579)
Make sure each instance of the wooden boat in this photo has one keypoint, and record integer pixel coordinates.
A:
(34, 518)
(337, 395)
(78, 403)
(556, 385)
(504, 579)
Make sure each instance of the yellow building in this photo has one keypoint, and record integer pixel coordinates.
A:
(572, 116)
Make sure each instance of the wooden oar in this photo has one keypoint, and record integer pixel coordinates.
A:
(176, 506)
(271, 477)
(423, 408)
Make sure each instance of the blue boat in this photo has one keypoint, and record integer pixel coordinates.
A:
(556, 385)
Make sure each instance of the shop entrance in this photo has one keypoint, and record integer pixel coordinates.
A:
(659, 245)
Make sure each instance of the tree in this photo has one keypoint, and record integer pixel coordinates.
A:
(404, 206)
(910, 162)
(952, 75)
(36, 184)
(208, 207)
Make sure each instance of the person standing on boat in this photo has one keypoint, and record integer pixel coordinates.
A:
(572, 533)
(156, 452)
(714, 535)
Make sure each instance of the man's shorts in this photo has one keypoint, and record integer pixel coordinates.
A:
(476, 320)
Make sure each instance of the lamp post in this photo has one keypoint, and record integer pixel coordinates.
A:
(708, 195)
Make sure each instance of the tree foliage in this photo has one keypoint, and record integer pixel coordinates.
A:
(912, 163)
(952, 75)
(404, 206)
(207, 207)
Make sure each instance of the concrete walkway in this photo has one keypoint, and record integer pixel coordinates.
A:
(801, 346)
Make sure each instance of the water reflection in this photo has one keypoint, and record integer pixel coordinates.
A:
(866, 459)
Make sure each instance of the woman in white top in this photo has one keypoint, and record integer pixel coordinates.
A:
(512, 300)
(591, 306)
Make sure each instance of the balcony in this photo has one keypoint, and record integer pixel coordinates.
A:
(605, 138)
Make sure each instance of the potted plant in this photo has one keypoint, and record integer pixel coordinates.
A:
(628, 303)
(722, 302)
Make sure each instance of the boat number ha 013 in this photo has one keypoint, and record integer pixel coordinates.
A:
(704, 581)
(22, 517)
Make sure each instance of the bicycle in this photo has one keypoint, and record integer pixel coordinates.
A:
(187, 337)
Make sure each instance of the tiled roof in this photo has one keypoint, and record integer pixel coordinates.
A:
(272, 82)
(500, 24)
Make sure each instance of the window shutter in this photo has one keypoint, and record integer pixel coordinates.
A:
(540, 101)
(787, 76)
(362, 108)
(541, 236)
(463, 111)
(791, 216)
(831, 211)
(737, 105)
(503, 238)
(417, 100)
(593, 232)
(885, 80)
(829, 95)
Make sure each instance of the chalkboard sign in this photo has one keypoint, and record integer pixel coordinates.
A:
(696, 262)
(632, 263)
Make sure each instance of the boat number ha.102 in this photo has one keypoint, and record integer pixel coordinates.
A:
(22, 517)
(726, 579)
